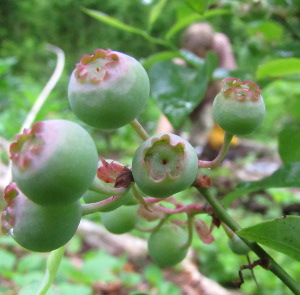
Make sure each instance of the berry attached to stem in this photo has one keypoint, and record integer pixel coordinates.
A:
(54, 162)
(166, 245)
(164, 164)
(108, 89)
(239, 107)
(38, 228)
(120, 220)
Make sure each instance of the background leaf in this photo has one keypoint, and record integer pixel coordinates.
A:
(281, 234)
(198, 5)
(183, 23)
(286, 176)
(113, 22)
(177, 89)
(270, 30)
(155, 13)
(289, 143)
(161, 56)
(190, 18)
(278, 68)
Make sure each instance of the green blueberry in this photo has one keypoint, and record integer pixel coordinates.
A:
(165, 245)
(54, 162)
(238, 246)
(120, 220)
(164, 164)
(109, 89)
(39, 228)
(239, 107)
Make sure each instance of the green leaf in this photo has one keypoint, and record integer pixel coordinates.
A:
(113, 22)
(31, 262)
(23, 279)
(7, 260)
(181, 24)
(130, 279)
(278, 68)
(281, 234)
(99, 265)
(191, 18)
(198, 5)
(286, 176)
(153, 275)
(155, 13)
(32, 287)
(289, 144)
(177, 89)
(161, 56)
(75, 289)
(272, 31)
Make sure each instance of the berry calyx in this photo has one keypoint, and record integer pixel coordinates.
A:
(239, 107)
(164, 164)
(38, 228)
(54, 162)
(108, 89)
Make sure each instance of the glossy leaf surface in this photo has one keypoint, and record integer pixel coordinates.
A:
(281, 234)
(179, 89)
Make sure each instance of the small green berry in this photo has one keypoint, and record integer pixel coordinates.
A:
(165, 245)
(35, 227)
(54, 162)
(164, 164)
(239, 107)
(238, 246)
(120, 220)
(109, 89)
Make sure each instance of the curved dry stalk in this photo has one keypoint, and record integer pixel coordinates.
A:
(40, 101)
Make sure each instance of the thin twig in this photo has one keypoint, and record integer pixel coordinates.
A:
(139, 129)
(41, 99)
(274, 267)
(222, 153)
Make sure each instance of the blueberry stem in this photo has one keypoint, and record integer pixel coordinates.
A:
(190, 224)
(139, 129)
(98, 206)
(53, 262)
(272, 265)
(99, 187)
(154, 228)
(222, 153)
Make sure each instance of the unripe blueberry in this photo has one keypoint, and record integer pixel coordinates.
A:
(238, 246)
(54, 162)
(120, 220)
(35, 227)
(165, 245)
(108, 89)
(164, 164)
(239, 107)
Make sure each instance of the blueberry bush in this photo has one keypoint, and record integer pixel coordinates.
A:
(58, 175)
